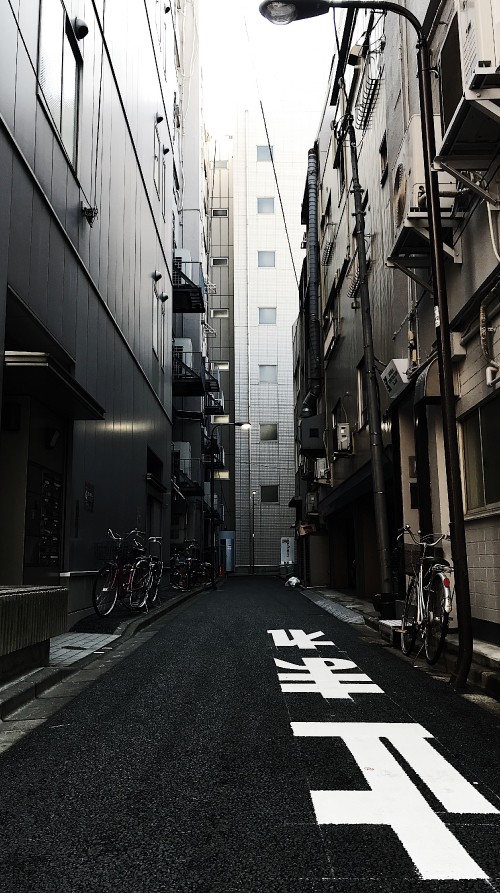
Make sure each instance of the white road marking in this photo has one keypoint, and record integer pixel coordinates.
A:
(299, 639)
(320, 675)
(395, 801)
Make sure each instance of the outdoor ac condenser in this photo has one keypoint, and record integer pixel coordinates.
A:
(479, 35)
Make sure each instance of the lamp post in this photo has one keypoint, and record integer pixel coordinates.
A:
(281, 12)
(245, 426)
(252, 541)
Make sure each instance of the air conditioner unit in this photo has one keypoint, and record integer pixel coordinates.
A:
(311, 503)
(479, 35)
(409, 195)
(343, 438)
(321, 471)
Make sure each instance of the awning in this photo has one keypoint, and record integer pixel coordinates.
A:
(30, 374)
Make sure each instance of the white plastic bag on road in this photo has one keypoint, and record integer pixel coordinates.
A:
(292, 582)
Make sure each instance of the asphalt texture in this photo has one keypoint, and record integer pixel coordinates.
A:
(180, 764)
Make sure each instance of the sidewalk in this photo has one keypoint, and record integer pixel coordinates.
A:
(485, 668)
(75, 649)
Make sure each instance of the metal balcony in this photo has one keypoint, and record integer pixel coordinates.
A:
(213, 405)
(188, 374)
(188, 287)
(212, 382)
(188, 476)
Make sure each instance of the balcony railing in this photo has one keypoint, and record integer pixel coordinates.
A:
(189, 475)
(188, 287)
(188, 374)
(214, 405)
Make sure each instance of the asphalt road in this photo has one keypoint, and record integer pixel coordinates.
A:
(192, 761)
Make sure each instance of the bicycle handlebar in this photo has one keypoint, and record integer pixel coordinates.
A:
(426, 540)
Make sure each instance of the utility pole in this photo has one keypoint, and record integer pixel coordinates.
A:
(387, 605)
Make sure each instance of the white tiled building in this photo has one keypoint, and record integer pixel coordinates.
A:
(265, 308)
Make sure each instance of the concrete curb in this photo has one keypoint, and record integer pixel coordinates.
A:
(21, 691)
(484, 673)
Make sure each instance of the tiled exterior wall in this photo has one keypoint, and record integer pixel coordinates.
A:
(483, 556)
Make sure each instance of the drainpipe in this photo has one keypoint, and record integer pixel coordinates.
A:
(309, 403)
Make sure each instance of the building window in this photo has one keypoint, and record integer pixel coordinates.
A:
(269, 493)
(222, 365)
(157, 161)
(163, 188)
(481, 431)
(384, 165)
(266, 258)
(156, 322)
(267, 316)
(219, 212)
(220, 165)
(269, 432)
(220, 261)
(264, 153)
(59, 65)
(268, 374)
(219, 312)
(220, 419)
(265, 205)
(339, 163)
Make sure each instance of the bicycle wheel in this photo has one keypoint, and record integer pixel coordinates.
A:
(409, 618)
(436, 625)
(139, 583)
(104, 590)
(156, 574)
(180, 579)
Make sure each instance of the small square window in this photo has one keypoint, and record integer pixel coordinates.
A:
(220, 165)
(219, 212)
(222, 365)
(219, 312)
(220, 261)
(264, 153)
(269, 432)
(268, 374)
(267, 316)
(266, 258)
(265, 205)
(220, 419)
(269, 493)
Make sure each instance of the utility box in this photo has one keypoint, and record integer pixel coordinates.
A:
(343, 438)
(287, 550)
(226, 538)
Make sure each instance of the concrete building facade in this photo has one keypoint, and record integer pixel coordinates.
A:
(379, 89)
(98, 187)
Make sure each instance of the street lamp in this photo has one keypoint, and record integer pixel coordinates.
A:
(280, 12)
(252, 541)
(245, 426)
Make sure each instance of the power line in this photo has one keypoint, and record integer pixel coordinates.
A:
(271, 154)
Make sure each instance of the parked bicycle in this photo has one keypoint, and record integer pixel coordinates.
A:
(130, 577)
(429, 598)
(155, 571)
(187, 571)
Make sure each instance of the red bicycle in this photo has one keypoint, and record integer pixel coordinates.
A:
(125, 578)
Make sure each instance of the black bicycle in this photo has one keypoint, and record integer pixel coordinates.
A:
(127, 577)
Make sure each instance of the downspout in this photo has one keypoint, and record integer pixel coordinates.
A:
(314, 382)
